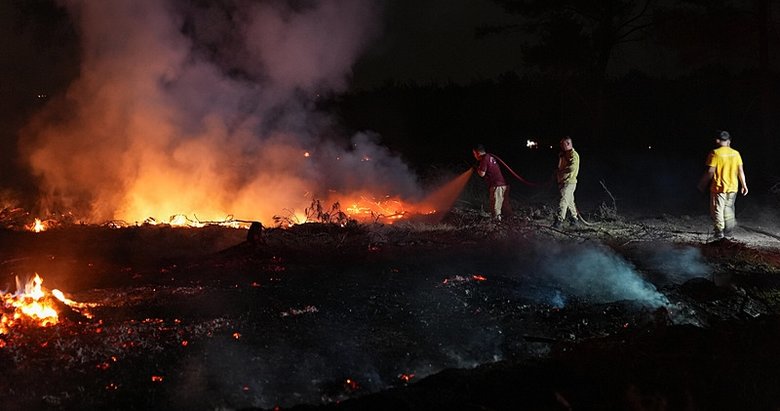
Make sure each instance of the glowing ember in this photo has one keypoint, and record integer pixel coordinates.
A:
(459, 279)
(351, 385)
(80, 307)
(32, 305)
(38, 226)
(405, 377)
(389, 209)
(181, 220)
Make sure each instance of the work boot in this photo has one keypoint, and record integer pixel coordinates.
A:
(574, 222)
(556, 224)
(718, 235)
(728, 231)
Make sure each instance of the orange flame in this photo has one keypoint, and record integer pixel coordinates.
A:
(362, 207)
(32, 304)
(38, 226)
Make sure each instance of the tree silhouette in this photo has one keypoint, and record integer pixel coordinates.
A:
(577, 38)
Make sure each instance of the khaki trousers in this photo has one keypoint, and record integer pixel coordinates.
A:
(722, 211)
(497, 200)
(567, 201)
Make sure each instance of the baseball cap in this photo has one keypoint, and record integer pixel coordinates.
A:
(724, 135)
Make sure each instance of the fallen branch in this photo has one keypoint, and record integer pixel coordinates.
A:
(557, 230)
(614, 202)
(535, 338)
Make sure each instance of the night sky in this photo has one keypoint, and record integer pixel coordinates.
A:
(266, 75)
(431, 41)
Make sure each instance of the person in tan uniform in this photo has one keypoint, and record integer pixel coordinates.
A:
(566, 175)
(725, 175)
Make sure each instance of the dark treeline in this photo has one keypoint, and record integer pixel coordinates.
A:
(655, 130)
(640, 85)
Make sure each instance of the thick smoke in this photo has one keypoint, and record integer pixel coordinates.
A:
(208, 110)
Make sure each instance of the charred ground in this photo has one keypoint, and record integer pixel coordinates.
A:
(629, 312)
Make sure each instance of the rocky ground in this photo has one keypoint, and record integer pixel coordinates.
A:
(627, 312)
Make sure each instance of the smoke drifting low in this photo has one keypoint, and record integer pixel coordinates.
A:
(676, 264)
(187, 108)
(592, 271)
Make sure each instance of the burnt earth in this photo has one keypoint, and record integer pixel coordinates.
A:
(621, 314)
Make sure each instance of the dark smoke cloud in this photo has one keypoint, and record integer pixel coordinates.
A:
(208, 108)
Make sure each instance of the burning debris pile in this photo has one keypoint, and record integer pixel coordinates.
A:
(44, 333)
(361, 210)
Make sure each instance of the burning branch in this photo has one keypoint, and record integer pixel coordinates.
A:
(316, 213)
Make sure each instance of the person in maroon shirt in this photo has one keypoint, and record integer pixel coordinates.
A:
(489, 169)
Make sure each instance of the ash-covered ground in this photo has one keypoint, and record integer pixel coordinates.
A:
(625, 313)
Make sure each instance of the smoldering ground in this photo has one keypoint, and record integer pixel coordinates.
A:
(322, 313)
(373, 323)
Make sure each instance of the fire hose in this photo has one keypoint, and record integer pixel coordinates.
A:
(517, 176)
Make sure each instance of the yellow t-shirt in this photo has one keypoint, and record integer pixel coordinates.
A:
(568, 166)
(726, 161)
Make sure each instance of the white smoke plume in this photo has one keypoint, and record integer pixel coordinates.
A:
(676, 264)
(595, 272)
(208, 109)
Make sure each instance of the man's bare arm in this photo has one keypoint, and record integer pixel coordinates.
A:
(706, 178)
(742, 181)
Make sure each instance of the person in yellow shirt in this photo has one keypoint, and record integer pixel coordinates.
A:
(726, 176)
(566, 174)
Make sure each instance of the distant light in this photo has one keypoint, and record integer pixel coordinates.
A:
(531, 144)
(649, 147)
(306, 154)
(42, 96)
